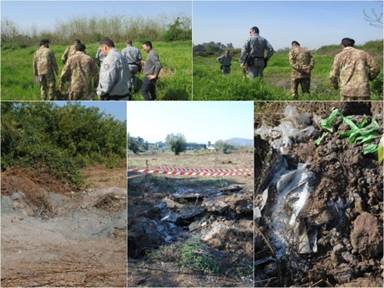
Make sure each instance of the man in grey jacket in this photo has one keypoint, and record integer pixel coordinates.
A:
(134, 58)
(255, 54)
(114, 79)
(151, 70)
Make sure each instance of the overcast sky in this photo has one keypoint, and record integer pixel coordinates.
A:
(198, 121)
(312, 23)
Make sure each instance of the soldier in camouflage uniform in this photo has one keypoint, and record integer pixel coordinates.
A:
(44, 69)
(82, 73)
(69, 51)
(301, 61)
(352, 69)
(255, 54)
(225, 61)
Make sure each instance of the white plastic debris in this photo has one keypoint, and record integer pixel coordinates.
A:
(293, 127)
(293, 190)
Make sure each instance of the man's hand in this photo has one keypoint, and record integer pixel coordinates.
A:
(306, 70)
(334, 83)
(152, 77)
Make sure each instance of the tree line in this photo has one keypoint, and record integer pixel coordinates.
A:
(94, 29)
(176, 143)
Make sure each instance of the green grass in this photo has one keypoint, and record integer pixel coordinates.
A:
(195, 255)
(209, 84)
(176, 83)
(191, 254)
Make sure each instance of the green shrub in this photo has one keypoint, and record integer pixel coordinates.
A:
(59, 139)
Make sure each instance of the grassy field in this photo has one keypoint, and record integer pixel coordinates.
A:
(209, 84)
(194, 159)
(175, 80)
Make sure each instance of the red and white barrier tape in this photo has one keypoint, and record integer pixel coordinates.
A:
(212, 172)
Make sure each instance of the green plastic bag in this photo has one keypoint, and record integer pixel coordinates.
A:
(318, 140)
(327, 123)
(369, 148)
(359, 135)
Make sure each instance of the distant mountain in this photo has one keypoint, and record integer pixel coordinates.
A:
(240, 142)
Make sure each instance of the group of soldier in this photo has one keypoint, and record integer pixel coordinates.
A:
(351, 71)
(111, 75)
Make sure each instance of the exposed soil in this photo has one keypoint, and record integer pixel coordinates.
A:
(53, 236)
(338, 239)
(194, 232)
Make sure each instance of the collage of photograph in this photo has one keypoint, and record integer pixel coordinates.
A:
(192, 143)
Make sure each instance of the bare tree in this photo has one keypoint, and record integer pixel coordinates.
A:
(374, 18)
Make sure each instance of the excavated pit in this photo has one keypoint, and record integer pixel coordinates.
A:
(328, 234)
(59, 237)
(216, 214)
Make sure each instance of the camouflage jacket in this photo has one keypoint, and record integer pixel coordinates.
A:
(351, 71)
(80, 70)
(301, 61)
(69, 51)
(44, 62)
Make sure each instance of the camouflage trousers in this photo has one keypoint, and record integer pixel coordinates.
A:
(305, 84)
(81, 95)
(47, 87)
(354, 98)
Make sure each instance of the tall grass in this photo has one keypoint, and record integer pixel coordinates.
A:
(175, 82)
(209, 84)
(92, 29)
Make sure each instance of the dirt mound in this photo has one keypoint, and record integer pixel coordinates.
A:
(110, 202)
(333, 208)
(23, 179)
(29, 189)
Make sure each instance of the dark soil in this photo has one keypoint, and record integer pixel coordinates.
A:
(345, 209)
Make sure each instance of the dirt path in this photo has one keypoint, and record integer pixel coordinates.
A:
(64, 238)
